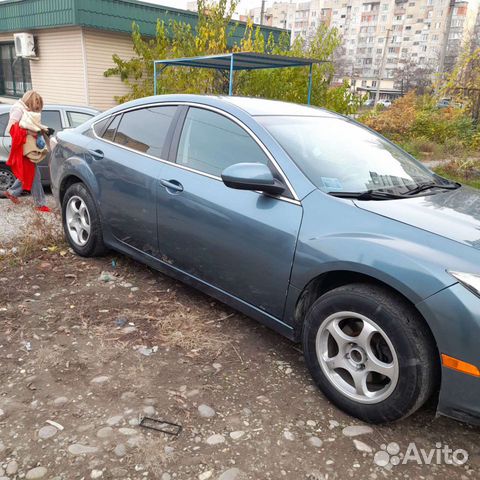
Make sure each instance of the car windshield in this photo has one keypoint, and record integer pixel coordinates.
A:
(338, 155)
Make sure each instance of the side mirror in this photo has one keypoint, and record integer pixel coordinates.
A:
(252, 176)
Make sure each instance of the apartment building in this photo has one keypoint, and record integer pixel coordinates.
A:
(476, 32)
(381, 36)
(279, 13)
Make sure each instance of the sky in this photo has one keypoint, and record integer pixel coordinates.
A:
(244, 4)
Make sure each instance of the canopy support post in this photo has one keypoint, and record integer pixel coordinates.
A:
(155, 75)
(310, 75)
(154, 78)
(230, 82)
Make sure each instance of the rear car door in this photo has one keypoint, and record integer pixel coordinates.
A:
(241, 242)
(126, 161)
(76, 118)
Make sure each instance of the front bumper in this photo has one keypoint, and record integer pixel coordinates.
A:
(453, 315)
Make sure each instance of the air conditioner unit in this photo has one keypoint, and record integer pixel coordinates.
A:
(24, 45)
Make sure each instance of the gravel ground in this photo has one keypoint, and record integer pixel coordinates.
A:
(91, 346)
(13, 217)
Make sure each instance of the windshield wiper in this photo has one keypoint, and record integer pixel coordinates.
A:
(428, 186)
(368, 195)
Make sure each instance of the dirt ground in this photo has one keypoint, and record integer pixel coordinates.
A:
(90, 346)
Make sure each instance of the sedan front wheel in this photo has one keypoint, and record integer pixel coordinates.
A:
(370, 353)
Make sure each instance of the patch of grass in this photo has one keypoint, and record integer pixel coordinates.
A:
(49, 357)
(186, 328)
(425, 149)
(39, 231)
(151, 454)
(465, 171)
(463, 179)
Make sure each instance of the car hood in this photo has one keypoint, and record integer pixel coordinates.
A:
(454, 214)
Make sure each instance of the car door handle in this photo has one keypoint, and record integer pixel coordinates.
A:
(172, 185)
(98, 154)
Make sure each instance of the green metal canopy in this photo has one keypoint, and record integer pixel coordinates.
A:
(233, 62)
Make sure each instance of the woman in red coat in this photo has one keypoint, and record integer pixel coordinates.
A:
(27, 173)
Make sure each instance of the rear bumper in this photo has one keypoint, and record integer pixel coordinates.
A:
(454, 317)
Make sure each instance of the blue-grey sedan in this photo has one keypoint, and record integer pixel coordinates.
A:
(302, 219)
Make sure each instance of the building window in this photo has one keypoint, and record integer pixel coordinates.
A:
(15, 78)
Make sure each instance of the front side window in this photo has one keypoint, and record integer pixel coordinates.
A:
(52, 118)
(338, 155)
(211, 142)
(146, 129)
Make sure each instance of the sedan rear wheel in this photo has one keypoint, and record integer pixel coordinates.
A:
(81, 222)
(7, 178)
(78, 221)
(370, 352)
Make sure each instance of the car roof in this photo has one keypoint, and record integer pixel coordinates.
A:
(251, 106)
(51, 106)
(261, 106)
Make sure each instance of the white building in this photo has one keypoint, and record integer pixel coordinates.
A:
(379, 37)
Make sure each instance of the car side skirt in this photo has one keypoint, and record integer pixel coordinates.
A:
(220, 295)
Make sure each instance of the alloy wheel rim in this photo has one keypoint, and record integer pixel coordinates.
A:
(78, 221)
(357, 357)
(6, 180)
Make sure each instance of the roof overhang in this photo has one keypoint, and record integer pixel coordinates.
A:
(240, 61)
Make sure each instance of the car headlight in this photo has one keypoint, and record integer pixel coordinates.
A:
(468, 280)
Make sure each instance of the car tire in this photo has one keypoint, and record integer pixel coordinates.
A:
(370, 352)
(7, 178)
(81, 222)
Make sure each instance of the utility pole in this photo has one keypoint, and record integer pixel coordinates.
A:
(382, 67)
(262, 13)
(446, 35)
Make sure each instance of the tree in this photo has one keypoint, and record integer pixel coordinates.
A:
(210, 36)
(463, 83)
(173, 40)
(409, 75)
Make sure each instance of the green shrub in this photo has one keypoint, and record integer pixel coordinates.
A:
(424, 130)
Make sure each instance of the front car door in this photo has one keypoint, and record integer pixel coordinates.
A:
(241, 242)
(51, 118)
(4, 146)
(126, 161)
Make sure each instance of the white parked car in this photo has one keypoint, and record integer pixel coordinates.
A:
(385, 103)
(59, 117)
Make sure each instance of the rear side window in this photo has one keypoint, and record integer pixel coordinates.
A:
(3, 123)
(112, 128)
(75, 119)
(101, 126)
(145, 130)
(51, 118)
